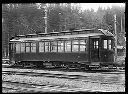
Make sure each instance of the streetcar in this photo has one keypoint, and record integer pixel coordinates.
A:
(79, 49)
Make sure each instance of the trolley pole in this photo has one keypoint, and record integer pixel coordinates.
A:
(115, 38)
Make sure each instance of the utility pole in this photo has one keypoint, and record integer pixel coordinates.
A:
(115, 38)
(5, 53)
(8, 45)
(121, 25)
(65, 23)
(60, 22)
(124, 22)
(45, 18)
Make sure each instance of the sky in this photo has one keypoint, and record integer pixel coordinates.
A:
(96, 5)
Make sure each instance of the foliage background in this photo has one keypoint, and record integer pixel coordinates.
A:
(19, 19)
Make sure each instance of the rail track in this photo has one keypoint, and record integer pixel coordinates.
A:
(27, 87)
(103, 69)
(58, 75)
(17, 87)
(20, 86)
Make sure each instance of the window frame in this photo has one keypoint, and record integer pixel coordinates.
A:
(104, 43)
(70, 45)
(27, 46)
(13, 48)
(19, 50)
(85, 44)
(23, 47)
(54, 45)
(78, 45)
(31, 46)
(96, 44)
(49, 46)
(61, 46)
(42, 50)
(108, 44)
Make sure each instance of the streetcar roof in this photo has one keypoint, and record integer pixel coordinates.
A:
(106, 32)
(54, 32)
(31, 34)
(23, 39)
(20, 35)
(79, 30)
(58, 37)
(65, 31)
(42, 33)
(101, 32)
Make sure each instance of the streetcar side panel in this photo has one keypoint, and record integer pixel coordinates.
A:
(63, 57)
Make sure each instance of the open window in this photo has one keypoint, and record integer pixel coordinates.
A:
(13, 46)
(107, 44)
(60, 46)
(67, 46)
(17, 47)
(75, 45)
(33, 47)
(54, 46)
(22, 47)
(41, 46)
(82, 44)
(27, 47)
(47, 46)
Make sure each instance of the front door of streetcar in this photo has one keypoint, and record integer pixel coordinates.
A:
(12, 52)
(94, 50)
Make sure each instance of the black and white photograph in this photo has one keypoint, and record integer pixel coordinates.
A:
(63, 47)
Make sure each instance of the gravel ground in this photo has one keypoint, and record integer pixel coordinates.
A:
(57, 72)
(81, 85)
(66, 83)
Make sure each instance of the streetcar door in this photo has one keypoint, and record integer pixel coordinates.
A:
(11, 51)
(94, 50)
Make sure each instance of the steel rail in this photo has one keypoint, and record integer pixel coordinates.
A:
(71, 77)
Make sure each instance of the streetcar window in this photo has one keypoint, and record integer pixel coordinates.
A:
(75, 45)
(109, 45)
(13, 46)
(47, 46)
(54, 46)
(33, 47)
(60, 46)
(96, 44)
(67, 46)
(22, 47)
(82, 45)
(17, 47)
(27, 47)
(41, 46)
(105, 44)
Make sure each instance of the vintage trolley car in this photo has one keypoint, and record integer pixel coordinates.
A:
(77, 48)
